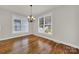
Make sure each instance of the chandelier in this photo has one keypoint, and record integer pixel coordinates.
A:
(31, 18)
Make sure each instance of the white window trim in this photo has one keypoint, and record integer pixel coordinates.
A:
(19, 18)
(50, 14)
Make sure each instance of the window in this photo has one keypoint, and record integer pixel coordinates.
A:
(45, 25)
(17, 25)
(20, 25)
(24, 25)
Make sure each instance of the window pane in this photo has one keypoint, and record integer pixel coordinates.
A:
(48, 29)
(41, 22)
(25, 25)
(48, 20)
(17, 25)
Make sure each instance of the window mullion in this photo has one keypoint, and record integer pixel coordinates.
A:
(44, 25)
(21, 26)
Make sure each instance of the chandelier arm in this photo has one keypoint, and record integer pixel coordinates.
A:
(31, 18)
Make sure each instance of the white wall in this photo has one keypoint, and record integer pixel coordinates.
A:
(77, 25)
(65, 27)
(6, 24)
(65, 24)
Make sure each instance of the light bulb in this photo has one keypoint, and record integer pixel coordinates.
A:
(28, 17)
(34, 18)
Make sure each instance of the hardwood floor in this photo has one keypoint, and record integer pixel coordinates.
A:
(34, 45)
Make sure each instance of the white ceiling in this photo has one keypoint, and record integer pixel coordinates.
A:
(25, 9)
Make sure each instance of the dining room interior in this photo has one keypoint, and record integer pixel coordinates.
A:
(39, 29)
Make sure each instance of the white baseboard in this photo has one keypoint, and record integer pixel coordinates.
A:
(58, 41)
(9, 36)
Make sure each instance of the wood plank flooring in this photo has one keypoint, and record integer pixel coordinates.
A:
(34, 45)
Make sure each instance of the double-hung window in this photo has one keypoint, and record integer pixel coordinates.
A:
(45, 24)
(20, 24)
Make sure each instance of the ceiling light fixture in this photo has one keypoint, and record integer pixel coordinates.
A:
(31, 18)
